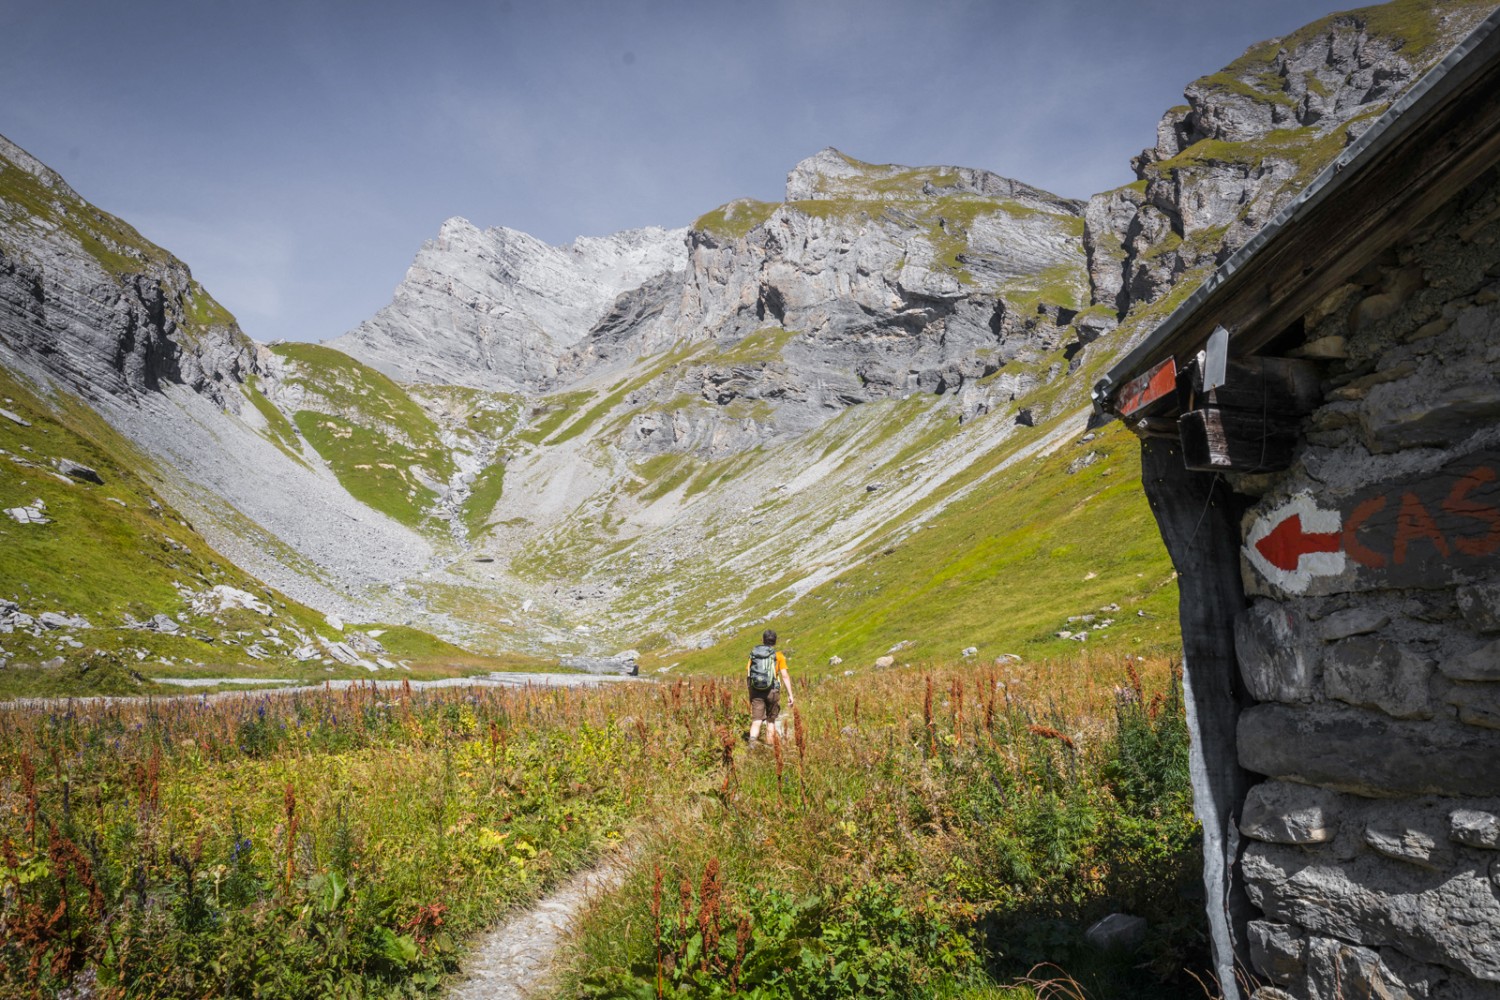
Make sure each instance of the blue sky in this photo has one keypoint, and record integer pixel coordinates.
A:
(296, 153)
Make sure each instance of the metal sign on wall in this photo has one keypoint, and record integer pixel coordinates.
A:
(1430, 531)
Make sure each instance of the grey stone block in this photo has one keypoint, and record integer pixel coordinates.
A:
(1477, 704)
(1283, 813)
(1482, 664)
(1372, 673)
(1394, 416)
(1338, 969)
(1414, 847)
(1278, 655)
(1277, 950)
(1353, 621)
(1367, 753)
(1446, 918)
(1117, 932)
(1475, 828)
(1480, 604)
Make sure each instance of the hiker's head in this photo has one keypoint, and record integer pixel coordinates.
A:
(768, 637)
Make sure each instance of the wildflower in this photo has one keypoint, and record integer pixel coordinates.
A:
(708, 910)
(1050, 733)
(741, 942)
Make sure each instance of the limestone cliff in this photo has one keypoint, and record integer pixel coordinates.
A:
(1250, 137)
(869, 282)
(493, 309)
(88, 300)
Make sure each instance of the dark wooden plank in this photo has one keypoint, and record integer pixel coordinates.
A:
(1275, 385)
(1225, 440)
(1199, 519)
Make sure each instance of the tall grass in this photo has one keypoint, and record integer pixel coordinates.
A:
(921, 831)
(918, 833)
(300, 845)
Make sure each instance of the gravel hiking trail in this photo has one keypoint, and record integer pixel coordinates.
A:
(514, 960)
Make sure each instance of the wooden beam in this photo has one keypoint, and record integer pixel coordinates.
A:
(1199, 519)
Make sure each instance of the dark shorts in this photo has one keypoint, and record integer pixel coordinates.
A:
(765, 706)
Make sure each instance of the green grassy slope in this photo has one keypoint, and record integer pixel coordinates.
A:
(368, 429)
(110, 550)
(1001, 569)
(117, 551)
(25, 199)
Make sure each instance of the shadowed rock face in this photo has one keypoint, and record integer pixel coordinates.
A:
(90, 302)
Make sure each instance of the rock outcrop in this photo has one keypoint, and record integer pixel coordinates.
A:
(869, 282)
(86, 300)
(494, 309)
(1248, 139)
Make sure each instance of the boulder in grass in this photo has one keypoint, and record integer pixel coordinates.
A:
(226, 598)
(885, 662)
(53, 620)
(340, 651)
(1117, 932)
(363, 642)
(79, 471)
(33, 513)
(163, 623)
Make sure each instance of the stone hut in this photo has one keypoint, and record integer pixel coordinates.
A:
(1320, 430)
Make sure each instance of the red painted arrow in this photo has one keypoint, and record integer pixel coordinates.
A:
(1286, 544)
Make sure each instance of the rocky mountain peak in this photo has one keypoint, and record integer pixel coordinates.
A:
(495, 308)
(12, 155)
(1251, 136)
(832, 175)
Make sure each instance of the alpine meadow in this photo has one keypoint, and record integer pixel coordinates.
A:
(413, 663)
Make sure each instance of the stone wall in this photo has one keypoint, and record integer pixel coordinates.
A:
(1371, 643)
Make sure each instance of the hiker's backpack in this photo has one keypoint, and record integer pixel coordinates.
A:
(763, 668)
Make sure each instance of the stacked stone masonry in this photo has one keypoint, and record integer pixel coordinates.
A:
(1372, 846)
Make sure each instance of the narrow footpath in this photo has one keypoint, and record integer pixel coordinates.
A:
(515, 959)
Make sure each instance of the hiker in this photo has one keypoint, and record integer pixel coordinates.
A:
(766, 674)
